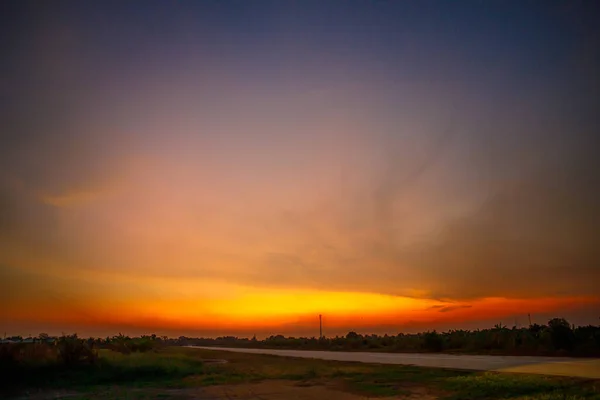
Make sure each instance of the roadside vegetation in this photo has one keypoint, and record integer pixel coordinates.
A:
(159, 367)
(557, 338)
(70, 361)
(148, 368)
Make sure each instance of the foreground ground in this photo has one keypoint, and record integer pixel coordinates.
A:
(186, 373)
(583, 368)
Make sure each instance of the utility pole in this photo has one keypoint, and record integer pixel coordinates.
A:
(320, 326)
(529, 315)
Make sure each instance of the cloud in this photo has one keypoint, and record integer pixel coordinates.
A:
(72, 198)
(534, 237)
(441, 190)
(532, 233)
(435, 307)
(24, 221)
(452, 308)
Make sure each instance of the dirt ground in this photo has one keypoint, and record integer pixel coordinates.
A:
(286, 390)
(270, 377)
(267, 390)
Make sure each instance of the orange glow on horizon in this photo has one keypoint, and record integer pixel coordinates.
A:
(227, 307)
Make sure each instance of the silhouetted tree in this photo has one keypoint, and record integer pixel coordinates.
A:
(432, 341)
(561, 334)
(352, 335)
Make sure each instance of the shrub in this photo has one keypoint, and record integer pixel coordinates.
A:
(74, 351)
(561, 334)
(10, 354)
(432, 341)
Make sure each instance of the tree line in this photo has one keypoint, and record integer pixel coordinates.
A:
(556, 338)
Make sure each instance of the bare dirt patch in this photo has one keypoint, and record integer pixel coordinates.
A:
(287, 390)
(45, 395)
(266, 390)
(214, 361)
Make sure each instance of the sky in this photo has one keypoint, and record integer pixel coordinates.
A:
(240, 167)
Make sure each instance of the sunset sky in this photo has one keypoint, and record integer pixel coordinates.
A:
(239, 167)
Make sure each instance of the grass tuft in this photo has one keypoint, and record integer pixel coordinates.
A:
(110, 368)
(494, 385)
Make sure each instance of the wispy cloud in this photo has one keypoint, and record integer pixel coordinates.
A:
(73, 198)
(452, 308)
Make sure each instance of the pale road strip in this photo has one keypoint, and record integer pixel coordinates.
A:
(576, 367)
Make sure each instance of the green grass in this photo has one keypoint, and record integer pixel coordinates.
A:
(156, 375)
(485, 385)
(559, 396)
(389, 380)
(136, 369)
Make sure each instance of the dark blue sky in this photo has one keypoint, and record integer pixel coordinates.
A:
(458, 40)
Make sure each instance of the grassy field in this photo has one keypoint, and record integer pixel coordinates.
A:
(185, 373)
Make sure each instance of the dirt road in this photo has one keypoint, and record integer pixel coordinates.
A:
(576, 367)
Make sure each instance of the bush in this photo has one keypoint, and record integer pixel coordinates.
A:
(109, 368)
(432, 341)
(561, 334)
(10, 354)
(75, 351)
(31, 353)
